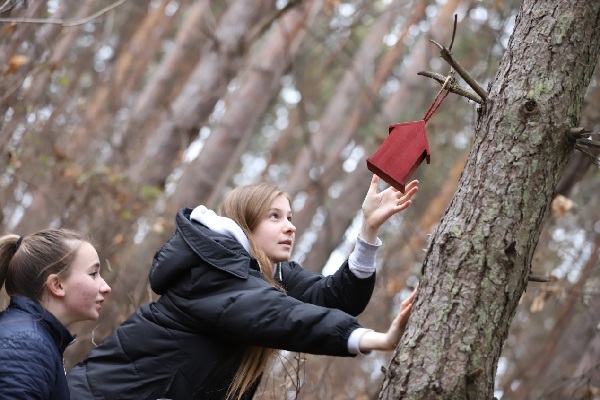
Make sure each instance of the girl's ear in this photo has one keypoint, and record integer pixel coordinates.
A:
(55, 286)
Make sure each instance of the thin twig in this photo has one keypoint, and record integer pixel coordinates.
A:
(445, 53)
(262, 26)
(62, 22)
(453, 32)
(452, 86)
(17, 85)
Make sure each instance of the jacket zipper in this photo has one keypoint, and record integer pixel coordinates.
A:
(279, 272)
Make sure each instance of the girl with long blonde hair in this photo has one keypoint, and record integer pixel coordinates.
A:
(230, 297)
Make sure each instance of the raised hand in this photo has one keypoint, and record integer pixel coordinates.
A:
(379, 207)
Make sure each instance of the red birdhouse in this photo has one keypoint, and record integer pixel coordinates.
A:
(405, 148)
(401, 153)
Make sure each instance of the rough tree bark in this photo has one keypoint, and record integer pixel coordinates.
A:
(477, 264)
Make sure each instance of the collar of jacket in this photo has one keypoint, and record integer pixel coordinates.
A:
(59, 333)
(220, 251)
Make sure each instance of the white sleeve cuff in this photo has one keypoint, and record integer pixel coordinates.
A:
(354, 340)
(362, 259)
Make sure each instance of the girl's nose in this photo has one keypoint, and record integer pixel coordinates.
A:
(291, 226)
(105, 288)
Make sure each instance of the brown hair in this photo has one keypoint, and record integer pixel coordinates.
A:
(26, 262)
(247, 205)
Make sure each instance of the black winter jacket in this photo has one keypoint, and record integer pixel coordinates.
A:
(214, 304)
(32, 343)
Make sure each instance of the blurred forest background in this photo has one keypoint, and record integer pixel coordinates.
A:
(115, 114)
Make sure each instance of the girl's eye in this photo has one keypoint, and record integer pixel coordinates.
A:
(274, 216)
(94, 274)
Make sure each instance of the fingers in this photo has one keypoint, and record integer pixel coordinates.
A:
(412, 296)
(375, 180)
(407, 303)
(379, 207)
(374, 183)
(399, 323)
(403, 205)
(411, 189)
(411, 185)
(404, 199)
(405, 311)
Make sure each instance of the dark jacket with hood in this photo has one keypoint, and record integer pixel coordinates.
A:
(214, 304)
(32, 343)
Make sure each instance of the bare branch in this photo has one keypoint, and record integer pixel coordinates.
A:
(452, 86)
(445, 53)
(584, 142)
(589, 143)
(579, 132)
(63, 22)
(595, 159)
(538, 278)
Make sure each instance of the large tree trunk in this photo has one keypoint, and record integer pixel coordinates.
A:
(479, 259)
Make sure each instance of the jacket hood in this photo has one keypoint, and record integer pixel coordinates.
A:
(194, 243)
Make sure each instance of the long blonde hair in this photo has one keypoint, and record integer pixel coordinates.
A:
(247, 205)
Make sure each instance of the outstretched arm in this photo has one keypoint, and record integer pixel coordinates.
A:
(379, 207)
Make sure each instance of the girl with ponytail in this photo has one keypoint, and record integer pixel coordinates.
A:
(53, 280)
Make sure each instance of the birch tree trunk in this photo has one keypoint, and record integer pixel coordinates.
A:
(480, 255)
